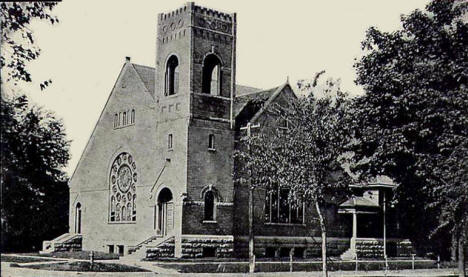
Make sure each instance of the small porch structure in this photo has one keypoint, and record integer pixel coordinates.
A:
(369, 199)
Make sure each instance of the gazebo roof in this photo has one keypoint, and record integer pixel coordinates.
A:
(378, 182)
(358, 204)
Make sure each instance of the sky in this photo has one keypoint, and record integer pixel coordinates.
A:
(276, 40)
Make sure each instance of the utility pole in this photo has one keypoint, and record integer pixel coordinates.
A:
(251, 207)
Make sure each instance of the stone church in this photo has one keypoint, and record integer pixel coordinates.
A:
(156, 176)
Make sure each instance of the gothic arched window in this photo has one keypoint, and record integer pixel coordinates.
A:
(172, 76)
(211, 77)
(123, 180)
(78, 218)
(116, 120)
(132, 118)
(209, 205)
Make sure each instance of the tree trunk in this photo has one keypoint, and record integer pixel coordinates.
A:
(461, 255)
(323, 228)
(454, 247)
(251, 236)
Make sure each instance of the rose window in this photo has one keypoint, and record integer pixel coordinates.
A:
(123, 180)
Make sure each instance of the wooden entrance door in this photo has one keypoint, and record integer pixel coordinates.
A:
(164, 213)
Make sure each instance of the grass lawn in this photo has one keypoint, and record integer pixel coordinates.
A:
(82, 255)
(86, 267)
(15, 259)
(265, 266)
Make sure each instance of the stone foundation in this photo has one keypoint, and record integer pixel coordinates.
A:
(197, 247)
(304, 247)
(373, 248)
(194, 247)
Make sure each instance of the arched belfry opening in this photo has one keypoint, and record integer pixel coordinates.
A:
(211, 76)
(164, 212)
(172, 76)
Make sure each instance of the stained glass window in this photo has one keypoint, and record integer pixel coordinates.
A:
(123, 180)
(279, 208)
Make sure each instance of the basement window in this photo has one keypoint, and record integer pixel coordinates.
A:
(211, 142)
(284, 252)
(270, 252)
(209, 251)
(299, 252)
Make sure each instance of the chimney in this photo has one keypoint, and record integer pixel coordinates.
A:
(127, 59)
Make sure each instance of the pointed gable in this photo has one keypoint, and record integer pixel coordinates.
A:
(129, 91)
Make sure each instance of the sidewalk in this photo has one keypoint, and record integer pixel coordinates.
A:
(156, 270)
(7, 271)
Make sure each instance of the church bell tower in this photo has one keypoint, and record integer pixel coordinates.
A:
(195, 63)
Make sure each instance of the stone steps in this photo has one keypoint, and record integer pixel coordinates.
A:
(152, 248)
(65, 242)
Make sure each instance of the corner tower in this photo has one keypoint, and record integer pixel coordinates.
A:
(194, 92)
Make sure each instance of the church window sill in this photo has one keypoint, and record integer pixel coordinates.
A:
(212, 95)
(210, 221)
(123, 126)
(171, 95)
(122, 222)
(211, 149)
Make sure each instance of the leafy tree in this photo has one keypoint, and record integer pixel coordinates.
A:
(413, 116)
(17, 41)
(306, 156)
(34, 150)
(33, 144)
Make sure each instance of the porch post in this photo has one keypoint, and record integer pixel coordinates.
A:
(354, 237)
(384, 226)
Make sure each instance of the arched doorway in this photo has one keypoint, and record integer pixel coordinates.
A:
(78, 218)
(164, 212)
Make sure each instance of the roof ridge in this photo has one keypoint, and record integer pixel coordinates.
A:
(258, 91)
(142, 65)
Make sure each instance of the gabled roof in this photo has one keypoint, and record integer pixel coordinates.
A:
(249, 107)
(243, 90)
(146, 74)
(252, 99)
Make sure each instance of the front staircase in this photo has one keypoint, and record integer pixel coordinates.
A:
(349, 254)
(152, 248)
(65, 242)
